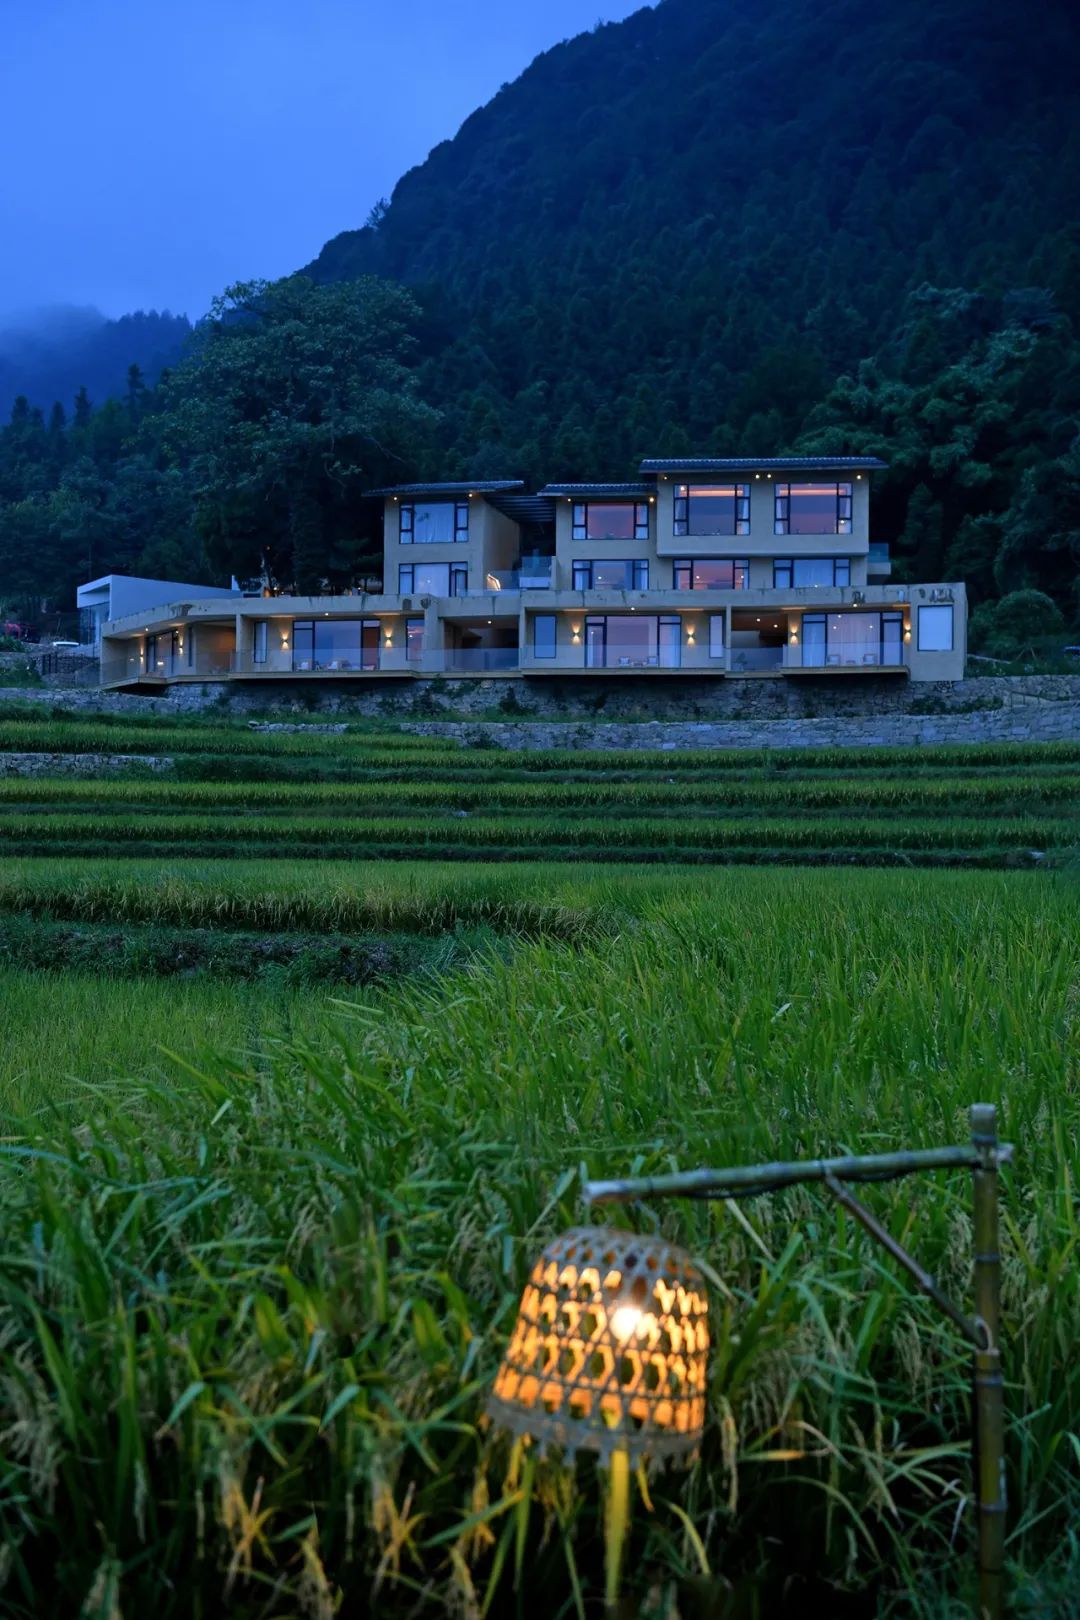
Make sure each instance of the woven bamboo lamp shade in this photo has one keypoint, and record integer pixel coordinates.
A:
(610, 1346)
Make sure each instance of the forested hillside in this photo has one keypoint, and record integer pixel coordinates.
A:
(709, 228)
(49, 356)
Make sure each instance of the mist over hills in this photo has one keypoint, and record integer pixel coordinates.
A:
(49, 354)
(710, 228)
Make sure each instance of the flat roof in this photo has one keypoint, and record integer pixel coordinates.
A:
(482, 486)
(760, 463)
(574, 490)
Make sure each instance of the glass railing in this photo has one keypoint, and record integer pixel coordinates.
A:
(748, 658)
(536, 578)
(613, 658)
(477, 660)
(847, 655)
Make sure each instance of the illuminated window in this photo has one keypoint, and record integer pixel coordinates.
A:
(434, 523)
(710, 574)
(812, 509)
(611, 520)
(712, 509)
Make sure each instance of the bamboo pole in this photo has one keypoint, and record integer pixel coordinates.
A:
(746, 1181)
(989, 1383)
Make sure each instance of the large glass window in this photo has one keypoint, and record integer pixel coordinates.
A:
(861, 640)
(936, 629)
(433, 523)
(544, 635)
(712, 509)
(812, 509)
(335, 644)
(710, 574)
(624, 574)
(259, 641)
(611, 520)
(716, 635)
(788, 571)
(633, 641)
(432, 579)
(414, 639)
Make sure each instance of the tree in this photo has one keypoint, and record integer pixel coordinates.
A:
(295, 400)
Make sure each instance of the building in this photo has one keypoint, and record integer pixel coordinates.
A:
(117, 596)
(734, 568)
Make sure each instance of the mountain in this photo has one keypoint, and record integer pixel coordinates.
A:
(50, 354)
(677, 232)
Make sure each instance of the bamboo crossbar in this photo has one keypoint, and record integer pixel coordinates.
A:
(744, 1181)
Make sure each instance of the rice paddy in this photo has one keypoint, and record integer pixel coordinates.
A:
(264, 1235)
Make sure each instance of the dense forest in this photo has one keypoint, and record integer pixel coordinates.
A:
(707, 229)
(52, 353)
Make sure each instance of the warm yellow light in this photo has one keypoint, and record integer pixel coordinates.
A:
(609, 1349)
(625, 1321)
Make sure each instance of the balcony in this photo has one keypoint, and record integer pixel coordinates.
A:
(535, 577)
(752, 660)
(352, 662)
(128, 668)
(472, 661)
(846, 658)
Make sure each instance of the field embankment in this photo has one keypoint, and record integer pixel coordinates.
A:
(282, 1132)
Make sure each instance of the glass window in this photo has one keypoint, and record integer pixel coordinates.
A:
(432, 579)
(434, 522)
(810, 571)
(669, 641)
(335, 644)
(612, 574)
(815, 571)
(852, 639)
(936, 629)
(716, 635)
(544, 635)
(711, 574)
(812, 509)
(611, 520)
(712, 509)
(414, 639)
(813, 639)
(258, 641)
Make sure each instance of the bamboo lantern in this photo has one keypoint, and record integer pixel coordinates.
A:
(609, 1349)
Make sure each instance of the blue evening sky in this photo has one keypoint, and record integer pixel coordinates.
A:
(159, 149)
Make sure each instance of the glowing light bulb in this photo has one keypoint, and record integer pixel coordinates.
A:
(625, 1321)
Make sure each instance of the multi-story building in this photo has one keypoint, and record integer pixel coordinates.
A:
(737, 568)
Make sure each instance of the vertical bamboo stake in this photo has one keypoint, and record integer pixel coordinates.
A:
(989, 1385)
(618, 1520)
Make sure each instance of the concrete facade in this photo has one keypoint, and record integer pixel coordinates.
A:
(526, 588)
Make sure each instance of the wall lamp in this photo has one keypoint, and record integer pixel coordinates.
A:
(609, 1350)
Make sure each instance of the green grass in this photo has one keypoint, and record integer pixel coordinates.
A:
(252, 1295)
(269, 1291)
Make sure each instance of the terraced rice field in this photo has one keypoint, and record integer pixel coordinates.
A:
(289, 1105)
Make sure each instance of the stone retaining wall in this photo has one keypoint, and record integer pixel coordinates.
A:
(1058, 722)
(693, 713)
(78, 764)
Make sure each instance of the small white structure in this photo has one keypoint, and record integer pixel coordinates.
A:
(113, 596)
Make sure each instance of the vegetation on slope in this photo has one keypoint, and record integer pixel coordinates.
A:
(698, 230)
(250, 1312)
